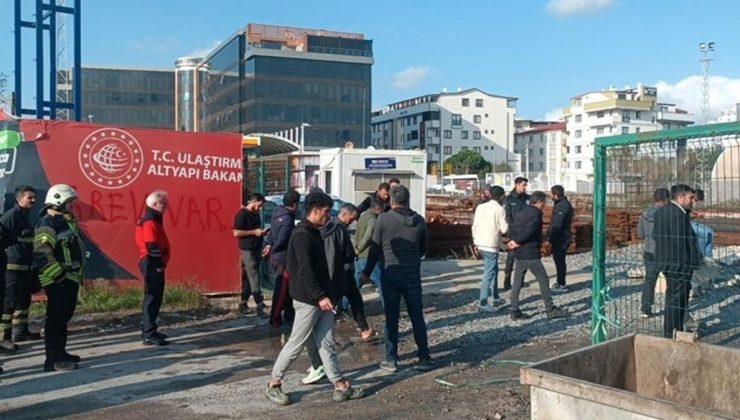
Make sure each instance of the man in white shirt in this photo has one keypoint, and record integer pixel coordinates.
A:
(489, 223)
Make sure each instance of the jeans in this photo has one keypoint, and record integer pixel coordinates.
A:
(395, 286)
(536, 267)
(251, 284)
(648, 288)
(315, 328)
(489, 282)
(360, 264)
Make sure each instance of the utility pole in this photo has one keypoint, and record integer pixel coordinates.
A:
(707, 50)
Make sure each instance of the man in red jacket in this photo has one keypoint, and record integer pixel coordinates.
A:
(154, 254)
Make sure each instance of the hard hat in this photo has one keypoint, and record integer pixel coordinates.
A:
(60, 194)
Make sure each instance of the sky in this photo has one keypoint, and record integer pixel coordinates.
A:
(543, 52)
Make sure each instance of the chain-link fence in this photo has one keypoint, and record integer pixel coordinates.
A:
(689, 278)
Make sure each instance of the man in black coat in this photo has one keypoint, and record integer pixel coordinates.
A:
(676, 254)
(516, 201)
(560, 237)
(382, 194)
(525, 242)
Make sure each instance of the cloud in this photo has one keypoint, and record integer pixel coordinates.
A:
(410, 78)
(202, 52)
(575, 7)
(555, 114)
(724, 93)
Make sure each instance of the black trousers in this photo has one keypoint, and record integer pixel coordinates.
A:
(61, 300)
(678, 286)
(651, 277)
(153, 294)
(355, 300)
(509, 269)
(559, 251)
(17, 291)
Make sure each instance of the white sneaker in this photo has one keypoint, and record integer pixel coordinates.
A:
(486, 308)
(498, 302)
(314, 375)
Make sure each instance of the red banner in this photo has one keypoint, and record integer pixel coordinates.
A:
(114, 169)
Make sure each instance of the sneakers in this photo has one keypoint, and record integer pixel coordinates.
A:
(486, 308)
(498, 301)
(517, 315)
(389, 366)
(64, 365)
(155, 340)
(556, 312)
(7, 348)
(314, 375)
(276, 395)
(349, 393)
(425, 364)
(558, 288)
(244, 308)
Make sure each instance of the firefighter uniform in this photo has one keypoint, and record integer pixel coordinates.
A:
(20, 279)
(6, 346)
(58, 253)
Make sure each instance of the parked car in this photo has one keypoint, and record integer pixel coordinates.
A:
(273, 201)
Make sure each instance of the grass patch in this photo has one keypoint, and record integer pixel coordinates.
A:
(101, 296)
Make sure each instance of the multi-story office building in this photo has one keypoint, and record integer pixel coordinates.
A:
(266, 79)
(445, 123)
(611, 112)
(543, 150)
(128, 97)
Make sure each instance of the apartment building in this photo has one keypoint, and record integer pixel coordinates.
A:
(543, 151)
(446, 123)
(612, 112)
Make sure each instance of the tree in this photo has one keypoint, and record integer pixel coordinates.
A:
(467, 162)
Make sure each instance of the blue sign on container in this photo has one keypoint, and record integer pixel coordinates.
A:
(380, 163)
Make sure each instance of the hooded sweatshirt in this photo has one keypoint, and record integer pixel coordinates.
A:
(645, 229)
(307, 270)
(399, 241)
(340, 253)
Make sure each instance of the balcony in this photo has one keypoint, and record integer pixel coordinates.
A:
(664, 116)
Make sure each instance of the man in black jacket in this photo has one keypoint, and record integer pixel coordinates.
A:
(399, 242)
(281, 227)
(517, 200)
(676, 254)
(382, 194)
(525, 241)
(560, 237)
(314, 296)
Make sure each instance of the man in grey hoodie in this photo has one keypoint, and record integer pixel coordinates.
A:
(399, 242)
(645, 231)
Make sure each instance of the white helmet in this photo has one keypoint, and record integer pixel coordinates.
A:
(60, 194)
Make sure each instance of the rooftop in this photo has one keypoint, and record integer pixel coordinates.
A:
(543, 128)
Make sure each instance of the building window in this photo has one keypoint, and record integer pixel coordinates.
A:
(578, 149)
(516, 141)
(626, 116)
(600, 130)
(542, 166)
(456, 120)
(637, 115)
(578, 164)
(600, 114)
(485, 131)
(448, 134)
(436, 132)
(542, 151)
(479, 103)
(430, 133)
(476, 119)
(637, 130)
(542, 138)
(465, 102)
(578, 102)
(464, 148)
(448, 150)
(476, 135)
(625, 130)
(415, 135)
(476, 150)
(579, 118)
(578, 134)
(486, 115)
(464, 134)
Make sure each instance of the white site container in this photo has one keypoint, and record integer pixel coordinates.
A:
(353, 174)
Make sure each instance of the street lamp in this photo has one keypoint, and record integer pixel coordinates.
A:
(707, 50)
